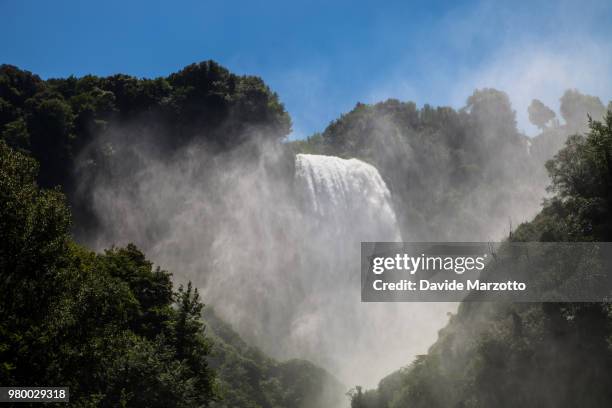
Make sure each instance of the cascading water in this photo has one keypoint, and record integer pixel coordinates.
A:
(347, 193)
(296, 254)
(278, 257)
(349, 202)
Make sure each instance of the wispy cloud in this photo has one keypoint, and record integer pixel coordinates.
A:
(536, 51)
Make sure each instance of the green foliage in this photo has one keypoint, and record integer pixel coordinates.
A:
(16, 134)
(582, 176)
(34, 223)
(210, 100)
(109, 326)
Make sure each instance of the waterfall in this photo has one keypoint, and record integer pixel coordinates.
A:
(345, 202)
(347, 193)
(277, 254)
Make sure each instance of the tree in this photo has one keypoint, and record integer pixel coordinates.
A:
(109, 326)
(540, 114)
(581, 175)
(577, 107)
(78, 128)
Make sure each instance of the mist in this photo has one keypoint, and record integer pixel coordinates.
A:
(272, 239)
(284, 274)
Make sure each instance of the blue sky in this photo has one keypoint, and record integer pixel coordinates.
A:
(324, 56)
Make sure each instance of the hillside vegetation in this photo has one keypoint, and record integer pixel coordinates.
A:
(528, 355)
(111, 326)
(78, 128)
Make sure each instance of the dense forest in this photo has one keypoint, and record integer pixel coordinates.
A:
(120, 332)
(75, 127)
(111, 326)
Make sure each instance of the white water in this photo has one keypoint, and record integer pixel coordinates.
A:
(365, 341)
(348, 193)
